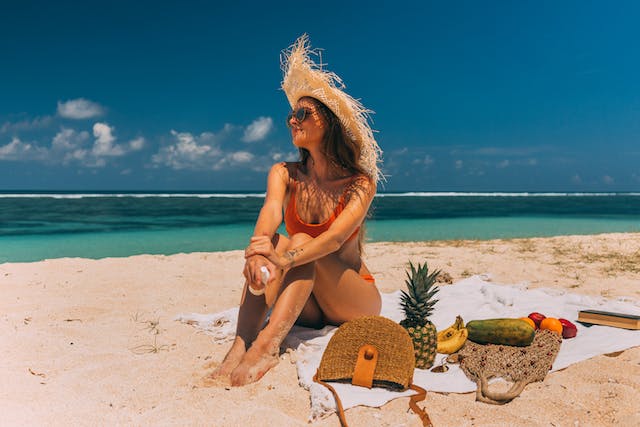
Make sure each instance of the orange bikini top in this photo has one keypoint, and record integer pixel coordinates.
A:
(294, 224)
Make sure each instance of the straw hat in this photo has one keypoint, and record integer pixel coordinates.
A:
(303, 77)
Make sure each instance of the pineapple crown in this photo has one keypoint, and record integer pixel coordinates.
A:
(417, 302)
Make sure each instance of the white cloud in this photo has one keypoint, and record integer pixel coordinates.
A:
(285, 157)
(68, 146)
(503, 164)
(459, 164)
(211, 151)
(71, 146)
(576, 179)
(26, 125)
(137, 144)
(104, 133)
(69, 140)
(608, 179)
(188, 151)
(241, 157)
(237, 158)
(104, 143)
(79, 108)
(18, 150)
(258, 129)
(228, 128)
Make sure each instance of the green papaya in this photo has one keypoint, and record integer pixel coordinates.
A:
(514, 332)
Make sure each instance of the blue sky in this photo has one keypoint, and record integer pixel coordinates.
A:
(468, 96)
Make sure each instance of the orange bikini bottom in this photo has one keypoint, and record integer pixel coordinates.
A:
(368, 278)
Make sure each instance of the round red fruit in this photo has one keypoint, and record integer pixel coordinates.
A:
(569, 330)
(537, 318)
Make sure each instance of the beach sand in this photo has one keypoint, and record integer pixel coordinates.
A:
(94, 342)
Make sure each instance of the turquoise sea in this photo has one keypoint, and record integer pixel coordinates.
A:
(37, 226)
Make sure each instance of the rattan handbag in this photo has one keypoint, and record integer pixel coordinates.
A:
(520, 365)
(371, 351)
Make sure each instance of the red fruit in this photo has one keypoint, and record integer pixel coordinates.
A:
(569, 330)
(537, 318)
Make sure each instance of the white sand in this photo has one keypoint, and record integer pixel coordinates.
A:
(93, 342)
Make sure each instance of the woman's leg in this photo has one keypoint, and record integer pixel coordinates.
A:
(264, 351)
(311, 315)
(251, 315)
(341, 293)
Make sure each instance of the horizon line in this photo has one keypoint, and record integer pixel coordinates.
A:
(260, 194)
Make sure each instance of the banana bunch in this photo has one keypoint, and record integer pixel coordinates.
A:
(452, 338)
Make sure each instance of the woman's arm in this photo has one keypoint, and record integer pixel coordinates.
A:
(328, 242)
(269, 219)
(270, 216)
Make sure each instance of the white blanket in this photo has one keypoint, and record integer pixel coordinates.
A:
(472, 298)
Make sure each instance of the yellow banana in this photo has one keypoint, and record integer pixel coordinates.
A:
(454, 343)
(452, 338)
(447, 333)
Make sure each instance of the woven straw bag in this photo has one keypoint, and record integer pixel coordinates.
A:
(371, 351)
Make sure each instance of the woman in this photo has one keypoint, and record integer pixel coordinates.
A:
(315, 274)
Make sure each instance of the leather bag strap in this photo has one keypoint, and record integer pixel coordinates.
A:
(343, 420)
(413, 404)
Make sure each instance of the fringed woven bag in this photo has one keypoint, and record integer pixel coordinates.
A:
(520, 365)
(371, 351)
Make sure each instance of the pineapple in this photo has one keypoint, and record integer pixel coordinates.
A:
(418, 304)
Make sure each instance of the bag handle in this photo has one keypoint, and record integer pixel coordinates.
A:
(483, 394)
(413, 403)
(343, 420)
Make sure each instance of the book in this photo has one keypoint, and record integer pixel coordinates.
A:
(607, 318)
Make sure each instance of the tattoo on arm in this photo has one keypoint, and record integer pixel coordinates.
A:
(290, 255)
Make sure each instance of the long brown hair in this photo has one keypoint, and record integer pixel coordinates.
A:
(339, 148)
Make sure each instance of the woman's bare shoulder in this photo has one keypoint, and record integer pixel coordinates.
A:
(363, 182)
(286, 171)
(362, 186)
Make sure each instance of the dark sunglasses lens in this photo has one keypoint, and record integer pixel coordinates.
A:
(300, 113)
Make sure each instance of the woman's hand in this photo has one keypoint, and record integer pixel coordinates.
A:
(262, 245)
(253, 271)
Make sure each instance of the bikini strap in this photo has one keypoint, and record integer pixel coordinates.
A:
(341, 202)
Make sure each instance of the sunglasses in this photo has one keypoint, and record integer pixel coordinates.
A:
(300, 115)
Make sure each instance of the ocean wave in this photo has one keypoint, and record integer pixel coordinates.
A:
(498, 194)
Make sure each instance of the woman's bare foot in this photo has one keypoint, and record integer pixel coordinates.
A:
(254, 364)
(230, 361)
